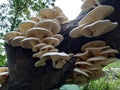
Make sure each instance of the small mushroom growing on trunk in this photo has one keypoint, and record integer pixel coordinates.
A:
(58, 59)
(94, 15)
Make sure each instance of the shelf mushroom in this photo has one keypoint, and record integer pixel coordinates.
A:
(98, 28)
(94, 15)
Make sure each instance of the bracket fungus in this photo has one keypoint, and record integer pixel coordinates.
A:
(94, 15)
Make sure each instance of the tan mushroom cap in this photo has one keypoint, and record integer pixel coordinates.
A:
(98, 28)
(29, 42)
(78, 70)
(62, 19)
(10, 35)
(97, 43)
(3, 69)
(51, 41)
(83, 63)
(83, 56)
(3, 77)
(58, 10)
(97, 59)
(58, 58)
(16, 41)
(94, 51)
(38, 32)
(26, 25)
(51, 25)
(96, 14)
(59, 37)
(47, 13)
(47, 48)
(35, 19)
(37, 47)
(108, 52)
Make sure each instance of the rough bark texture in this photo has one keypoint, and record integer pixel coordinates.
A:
(24, 76)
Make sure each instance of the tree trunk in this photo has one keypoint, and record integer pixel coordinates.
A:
(24, 76)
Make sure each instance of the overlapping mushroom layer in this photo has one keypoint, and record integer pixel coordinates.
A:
(89, 64)
(93, 23)
(41, 35)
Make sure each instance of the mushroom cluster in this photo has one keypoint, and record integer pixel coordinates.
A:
(3, 74)
(89, 64)
(93, 24)
(41, 35)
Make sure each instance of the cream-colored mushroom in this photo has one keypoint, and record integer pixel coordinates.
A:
(59, 37)
(51, 25)
(3, 77)
(47, 13)
(98, 28)
(26, 25)
(29, 42)
(51, 41)
(16, 41)
(4, 69)
(35, 19)
(94, 15)
(37, 47)
(38, 33)
(97, 43)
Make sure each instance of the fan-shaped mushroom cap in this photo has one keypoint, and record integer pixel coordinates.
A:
(51, 25)
(3, 69)
(29, 42)
(10, 35)
(38, 32)
(83, 56)
(47, 48)
(26, 25)
(83, 64)
(58, 59)
(47, 13)
(35, 19)
(59, 37)
(108, 52)
(81, 72)
(90, 44)
(96, 14)
(58, 10)
(37, 47)
(3, 77)
(16, 41)
(51, 41)
(62, 19)
(98, 28)
(94, 51)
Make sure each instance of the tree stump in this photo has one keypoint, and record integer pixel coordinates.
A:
(24, 76)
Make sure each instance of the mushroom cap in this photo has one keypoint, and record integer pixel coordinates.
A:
(40, 63)
(35, 19)
(26, 25)
(62, 19)
(51, 25)
(91, 44)
(108, 52)
(94, 51)
(47, 13)
(98, 28)
(76, 32)
(3, 69)
(97, 59)
(51, 41)
(59, 37)
(29, 42)
(78, 70)
(82, 63)
(37, 47)
(98, 13)
(47, 48)
(38, 33)
(10, 35)
(88, 4)
(58, 10)
(3, 77)
(16, 41)
(83, 56)
(58, 58)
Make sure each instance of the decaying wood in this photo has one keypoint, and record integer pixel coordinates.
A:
(24, 76)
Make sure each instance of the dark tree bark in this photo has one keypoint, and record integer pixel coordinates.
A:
(24, 76)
